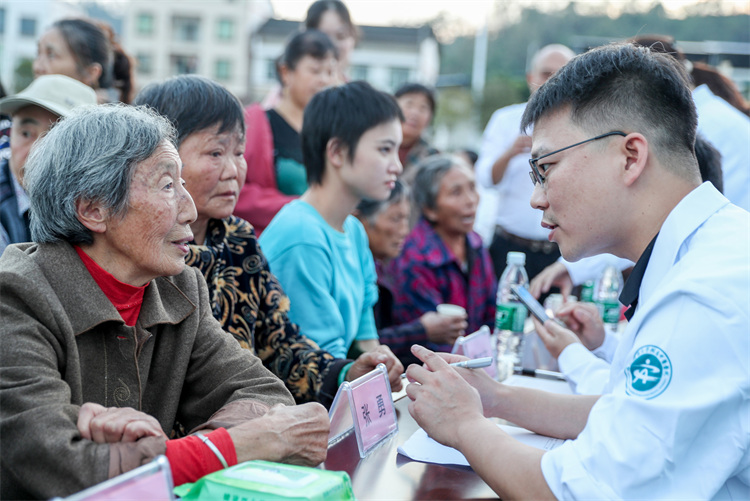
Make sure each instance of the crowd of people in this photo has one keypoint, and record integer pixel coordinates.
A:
(182, 275)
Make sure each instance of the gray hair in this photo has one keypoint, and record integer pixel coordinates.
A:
(430, 173)
(369, 210)
(91, 155)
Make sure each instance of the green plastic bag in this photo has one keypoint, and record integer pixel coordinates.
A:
(266, 481)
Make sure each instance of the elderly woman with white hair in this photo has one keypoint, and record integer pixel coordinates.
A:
(107, 342)
(443, 260)
(387, 226)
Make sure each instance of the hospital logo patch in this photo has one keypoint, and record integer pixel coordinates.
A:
(650, 373)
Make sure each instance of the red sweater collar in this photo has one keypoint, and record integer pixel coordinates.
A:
(126, 298)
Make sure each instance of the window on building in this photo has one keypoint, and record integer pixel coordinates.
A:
(271, 70)
(145, 24)
(28, 27)
(186, 29)
(145, 63)
(225, 29)
(359, 72)
(223, 69)
(183, 65)
(2, 21)
(399, 76)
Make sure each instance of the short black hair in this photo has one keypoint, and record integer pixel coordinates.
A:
(345, 112)
(624, 87)
(709, 162)
(417, 88)
(311, 43)
(193, 103)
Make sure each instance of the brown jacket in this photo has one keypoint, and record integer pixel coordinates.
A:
(62, 343)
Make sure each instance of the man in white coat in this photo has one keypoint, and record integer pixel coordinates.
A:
(614, 171)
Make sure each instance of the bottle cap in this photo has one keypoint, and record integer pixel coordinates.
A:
(516, 258)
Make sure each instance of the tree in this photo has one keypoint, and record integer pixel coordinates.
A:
(24, 74)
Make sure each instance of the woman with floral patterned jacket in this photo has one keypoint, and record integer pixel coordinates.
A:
(246, 297)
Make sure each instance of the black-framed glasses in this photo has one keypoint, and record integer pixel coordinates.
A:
(537, 177)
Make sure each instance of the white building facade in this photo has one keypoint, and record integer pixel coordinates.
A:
(22, 22)
(169, 38)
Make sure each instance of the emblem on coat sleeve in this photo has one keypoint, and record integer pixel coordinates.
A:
(649, 374)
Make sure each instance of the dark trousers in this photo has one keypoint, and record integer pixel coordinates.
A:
(536, 261)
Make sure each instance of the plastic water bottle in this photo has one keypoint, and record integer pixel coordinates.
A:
(587, 291)
(510, 316)
(607, 295)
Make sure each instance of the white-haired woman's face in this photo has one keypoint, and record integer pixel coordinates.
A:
(389, 230)
(151, 239)
(456, 203)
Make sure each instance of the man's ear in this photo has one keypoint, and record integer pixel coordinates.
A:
(636, 152)
(336, 152)
(92, 215)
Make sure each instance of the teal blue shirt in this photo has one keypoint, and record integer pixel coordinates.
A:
(328, 275)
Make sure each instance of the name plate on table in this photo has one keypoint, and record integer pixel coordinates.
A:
(477, 345)
(364, 405)
(150, 482)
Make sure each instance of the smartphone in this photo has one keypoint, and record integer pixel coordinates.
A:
(530, 302)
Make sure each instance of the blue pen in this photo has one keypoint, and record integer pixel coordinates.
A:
(475, 363)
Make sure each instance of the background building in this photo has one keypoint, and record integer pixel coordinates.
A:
(21, 24)
(193, 36)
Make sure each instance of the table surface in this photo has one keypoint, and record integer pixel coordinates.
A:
(385, 474)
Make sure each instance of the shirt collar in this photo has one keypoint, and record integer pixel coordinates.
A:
(22, 199)
(435, 251)
(163, 302)
(629, 294)
(702, 93)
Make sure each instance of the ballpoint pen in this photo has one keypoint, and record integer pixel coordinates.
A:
(475, 363)
(542, 374)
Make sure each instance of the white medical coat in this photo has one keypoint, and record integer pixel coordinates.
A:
(688, 436)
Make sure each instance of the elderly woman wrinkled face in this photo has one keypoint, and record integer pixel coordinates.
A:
(456, 202)
(151, 238)
(215, 170)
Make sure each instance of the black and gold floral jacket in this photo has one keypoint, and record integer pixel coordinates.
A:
(250, 304)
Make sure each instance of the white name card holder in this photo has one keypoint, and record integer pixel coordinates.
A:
(477, 345)
(364, 405)
(150, 482)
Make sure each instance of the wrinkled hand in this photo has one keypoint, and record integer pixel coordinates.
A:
(106, 425)
(520, 145)
(368, 361)
(554, 336)
(286, 434)
(554, 275)
(442, 401)
(443, 329)
(585, 321)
